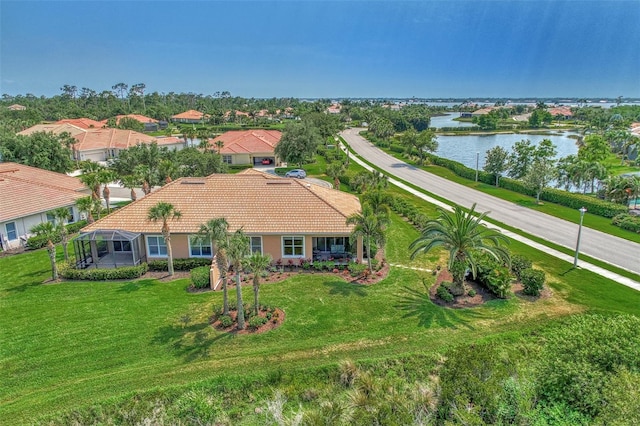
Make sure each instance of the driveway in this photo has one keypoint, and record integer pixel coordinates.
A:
(613, 250)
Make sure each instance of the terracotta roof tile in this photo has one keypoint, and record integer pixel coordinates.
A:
(248, 141)
(190, 115)
(252, 201)
(54, 128)
(28, 190)
(83, 123)
(110, 138)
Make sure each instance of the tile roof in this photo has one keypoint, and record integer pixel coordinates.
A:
(189, 115)
(141, 118)
(254, 201)
(565, 111)
(54, 128)
(17, 107)
(248, 141)
(26, 190)
(83, 123)
(110, 138)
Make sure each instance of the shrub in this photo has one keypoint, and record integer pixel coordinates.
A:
(179, 264)
(225, 321)
(532, 281)
(471, 293)
(493, 275)
(628, 222)
(39, 241)
(74, 227)
(98, 274)
(518, 264)
(256, 321)
(443, 293)
(583, 355)
(356, 269)
(200, 277)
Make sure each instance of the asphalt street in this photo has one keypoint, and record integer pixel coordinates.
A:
(613, 250)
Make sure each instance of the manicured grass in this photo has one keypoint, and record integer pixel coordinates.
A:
(71, 344)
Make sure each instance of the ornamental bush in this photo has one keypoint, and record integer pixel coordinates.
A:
(518, 264)
(201, 277)
(628, 222)
(98, 274)
(443, 292)
(256, 321)
(532, 281)
(179, 264)
(493, 275)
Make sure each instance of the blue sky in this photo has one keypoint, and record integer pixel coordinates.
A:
(325, 49)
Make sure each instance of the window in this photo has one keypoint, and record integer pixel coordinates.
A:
(292, 246)
(334, 245)
(256, 245)
(121, 245)
(227, 159)
(12, 232)
(51, 219)
(199, 247)
(71, 219)
(156, 246)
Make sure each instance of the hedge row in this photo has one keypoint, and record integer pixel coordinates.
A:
(37, 241)
(408, 211)
(628, 222)
(179, 264)
(97, 274)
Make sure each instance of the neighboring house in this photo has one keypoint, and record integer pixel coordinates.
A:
(248, 146)
(562, 113)
(27, 193)
(103, 144)
(635, 129)
(482, 111)
(83, 123)
(191, 116)
(334, 109)
(289, 219)
(150, 124)
(17, 107)
(54, 128)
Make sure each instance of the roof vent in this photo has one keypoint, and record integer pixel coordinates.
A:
(192, 182)
(278, 182)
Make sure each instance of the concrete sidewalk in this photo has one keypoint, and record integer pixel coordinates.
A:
(584, 265)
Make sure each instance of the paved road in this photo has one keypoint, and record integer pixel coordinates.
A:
(616, 251)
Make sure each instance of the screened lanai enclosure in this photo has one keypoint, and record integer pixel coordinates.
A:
(108, 248)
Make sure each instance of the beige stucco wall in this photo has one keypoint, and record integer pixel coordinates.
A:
(24, 225)
(240, 159)
(272, 244)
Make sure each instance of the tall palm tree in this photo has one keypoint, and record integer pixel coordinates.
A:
(334, 171)
(105, 177)
(219, 144)
(217, 231)
(61, 216)
(464, 236)
(130, 182)
(239, 247)
(370, 226)
(87, 205)
(49, 231)
(164, 212)
(257, 263)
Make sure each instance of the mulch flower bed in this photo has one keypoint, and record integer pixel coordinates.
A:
(276, 321)
(482, 295)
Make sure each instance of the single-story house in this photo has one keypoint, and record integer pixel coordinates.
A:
(482, 111)
(83, 123)
(55, 128)
(191, 116)
(103, 144)
(334, 109)
(17, 107)
(248, 146)
(27, 193)
(562, 112)
(289, 219)
(150, 124)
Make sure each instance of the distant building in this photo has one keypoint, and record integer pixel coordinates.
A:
(150, 124)
(17, 107)
(248, 146)
(334, 109)
(191, 116)
(32, 193)
(103, 144)
(562, 113)
(83, 123)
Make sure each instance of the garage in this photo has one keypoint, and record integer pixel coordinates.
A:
(257, 161)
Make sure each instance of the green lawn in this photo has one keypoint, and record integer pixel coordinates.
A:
(71, 344)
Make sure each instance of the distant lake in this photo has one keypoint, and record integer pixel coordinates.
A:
(463, 149)
(448, 121)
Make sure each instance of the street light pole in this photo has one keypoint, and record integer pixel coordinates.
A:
(477, 164)
(582, 211)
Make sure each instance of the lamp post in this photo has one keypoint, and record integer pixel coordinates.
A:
(477, 164)
(582, 211)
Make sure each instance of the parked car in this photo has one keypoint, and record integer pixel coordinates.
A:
(267, 161)
(296, 173)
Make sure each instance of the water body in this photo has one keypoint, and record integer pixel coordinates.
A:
(448, 121)
(463, 149)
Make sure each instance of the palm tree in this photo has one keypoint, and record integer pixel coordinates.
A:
(87, 205)
(61, 216)
(370, 226)
(257, 263)
(49, 231)
(130, 182)
(239, 247)
(378, 200)
(464, 236)
(334, 171)
(217, 231)
(106, 176)
(164, 212)
(219, 144)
